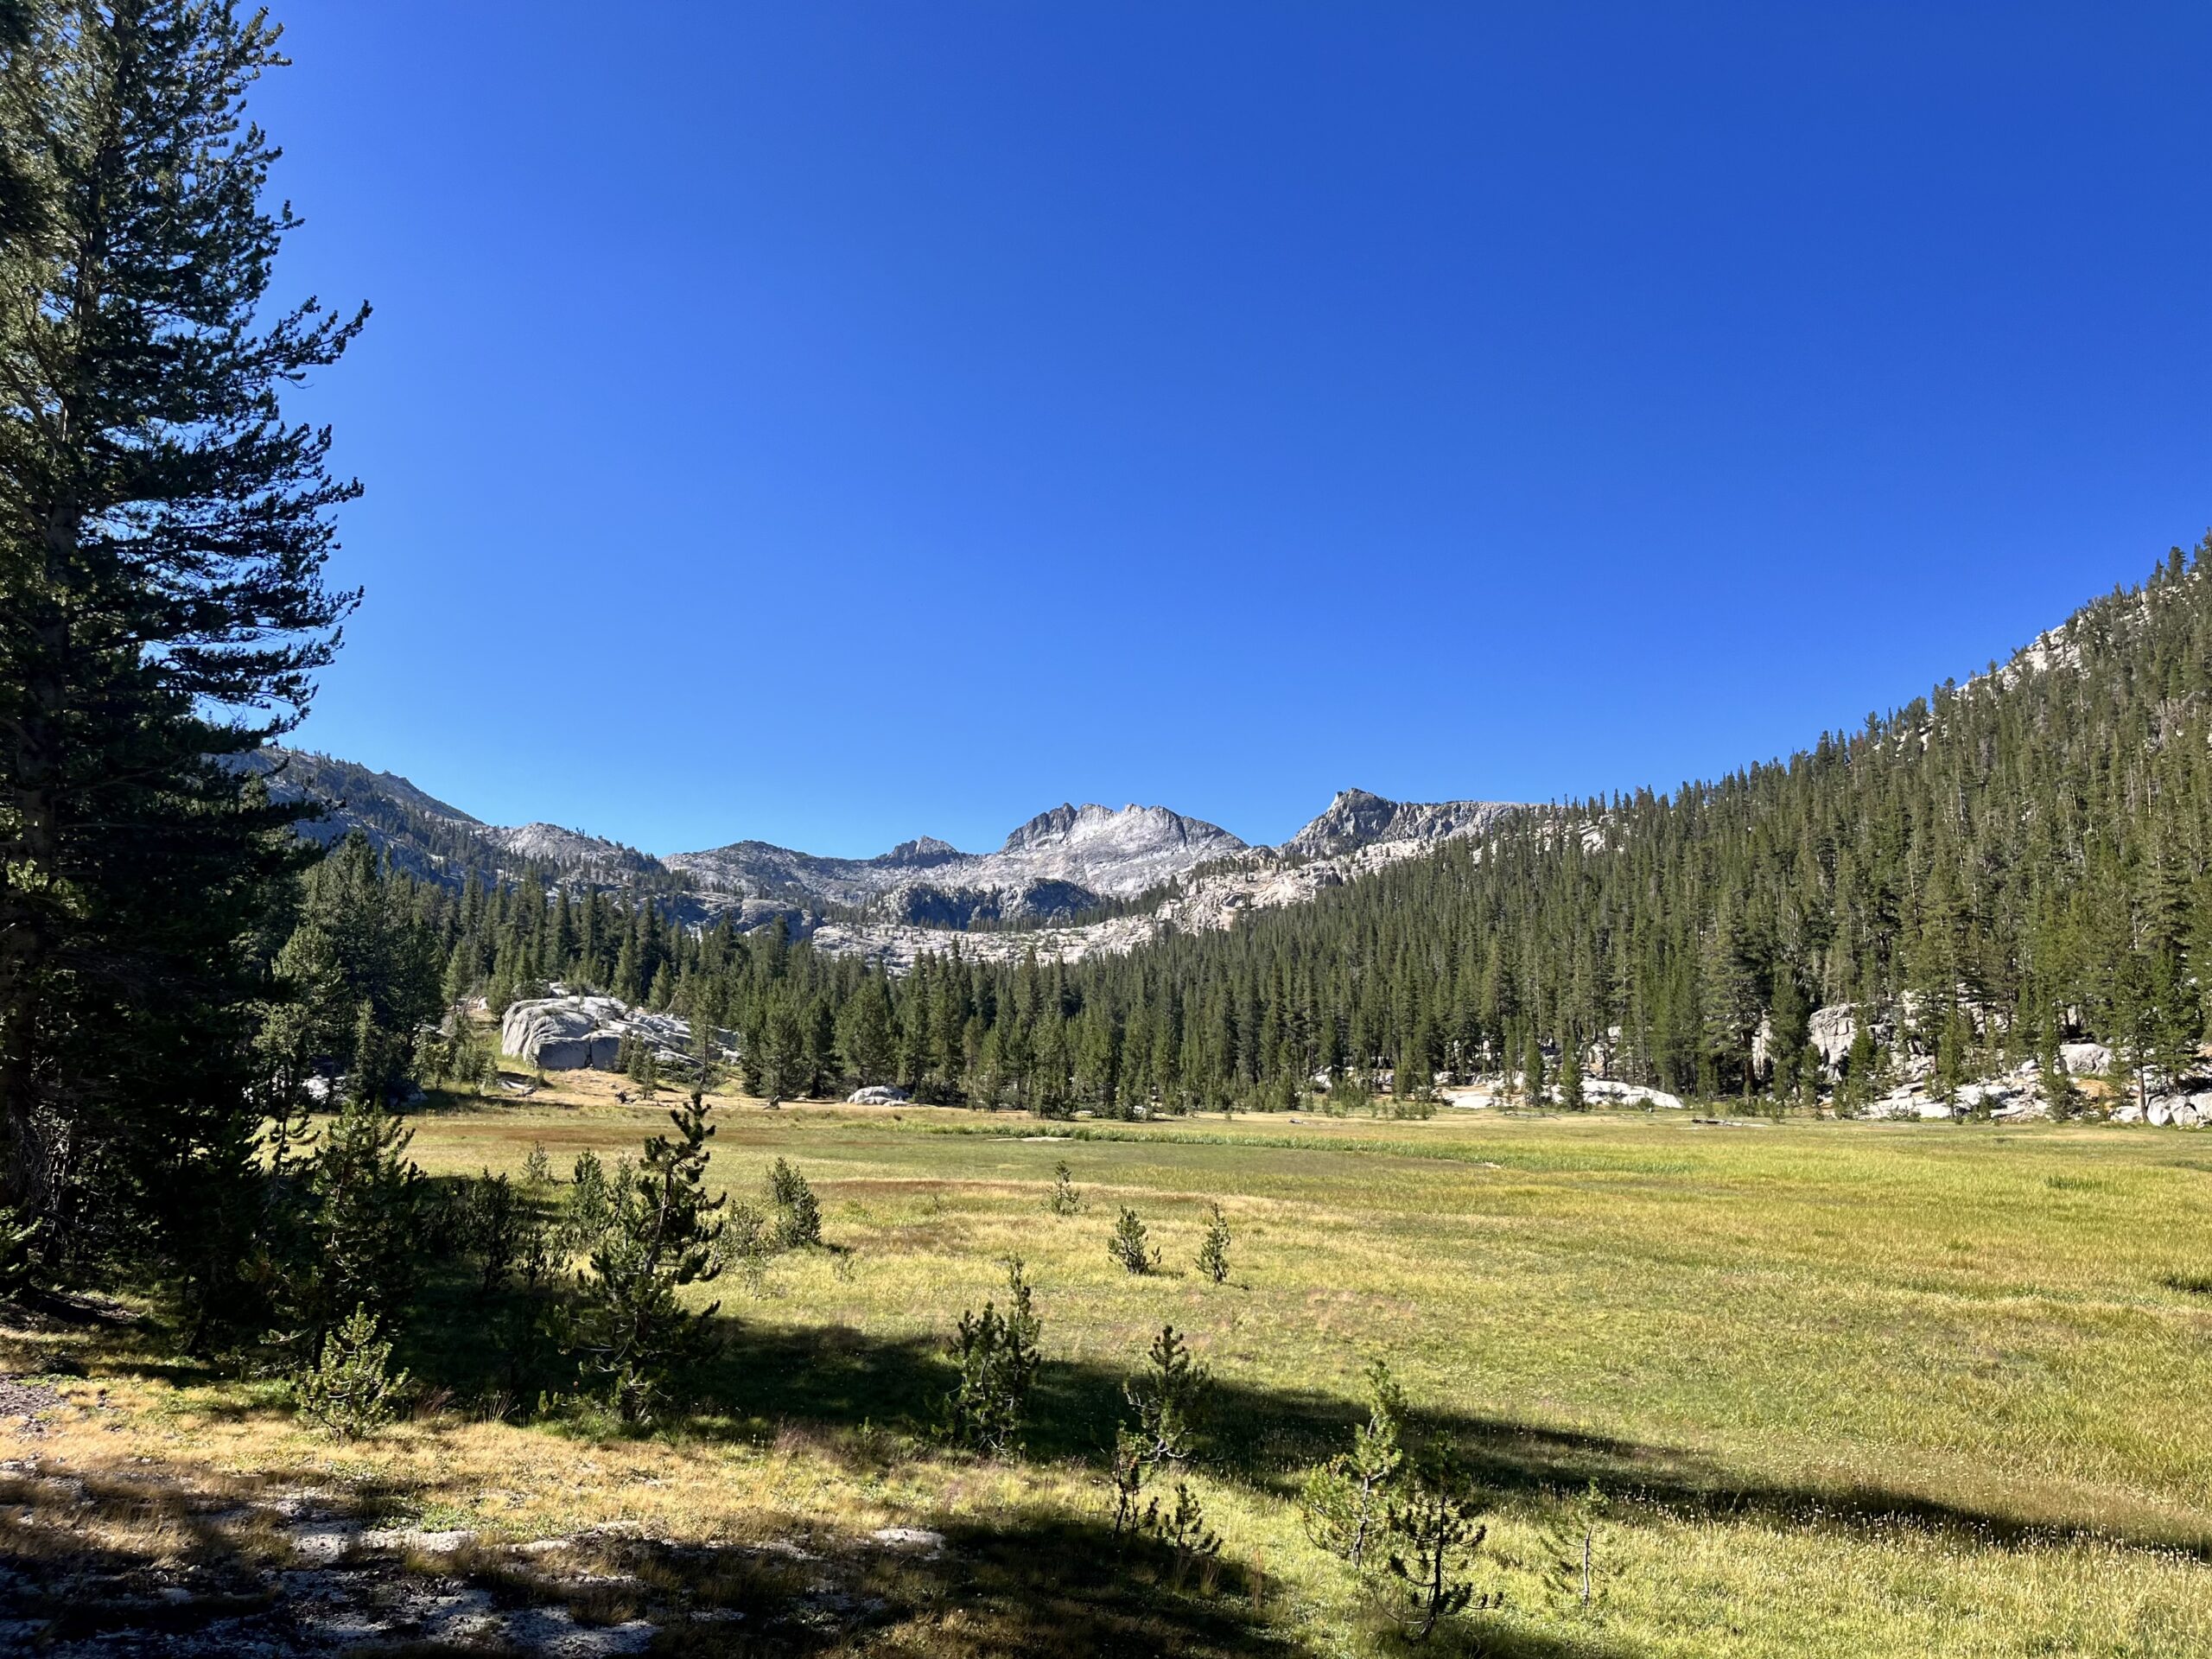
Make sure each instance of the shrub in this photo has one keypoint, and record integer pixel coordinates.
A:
(1213, 1250)
(348, 1392)
(1347, 1094)
(1126, 1246)
(799, 1216)
(1344, 1501)
(996, 1357)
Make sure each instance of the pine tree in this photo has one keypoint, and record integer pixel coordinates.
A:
(357, 1244)
(1127, 1244)
(1435, 1534)
(1345, 1501)
(630, 1322)
(1166, 1399)
(1571, 1097)
(1213, 1250)
(996, 1357)
(1532, 1071)
(163, 533)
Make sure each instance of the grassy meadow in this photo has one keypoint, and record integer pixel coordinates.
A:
(1850, 1389)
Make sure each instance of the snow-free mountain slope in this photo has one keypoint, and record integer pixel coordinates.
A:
(1357, 819)
(1047, 880)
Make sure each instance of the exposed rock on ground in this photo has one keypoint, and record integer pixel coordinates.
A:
(577, 1033)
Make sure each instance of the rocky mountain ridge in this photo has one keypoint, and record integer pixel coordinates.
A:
(1043, 888)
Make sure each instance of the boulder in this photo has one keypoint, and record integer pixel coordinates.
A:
(579, 1033)
(2086, 1060)
(1629, 1093)
(877, 1094)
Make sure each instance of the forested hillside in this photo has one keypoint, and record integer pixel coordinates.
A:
(2002, 865)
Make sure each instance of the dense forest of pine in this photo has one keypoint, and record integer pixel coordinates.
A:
(1984, 873)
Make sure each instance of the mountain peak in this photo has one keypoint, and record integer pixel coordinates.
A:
(1359, 817)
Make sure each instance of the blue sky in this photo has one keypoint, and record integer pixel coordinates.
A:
(832, 423)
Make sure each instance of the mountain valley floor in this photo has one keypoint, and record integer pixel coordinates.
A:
(1847, 1388)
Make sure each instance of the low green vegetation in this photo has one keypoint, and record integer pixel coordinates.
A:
(1600, 1385)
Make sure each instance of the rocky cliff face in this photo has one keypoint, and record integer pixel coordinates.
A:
(1357, 819)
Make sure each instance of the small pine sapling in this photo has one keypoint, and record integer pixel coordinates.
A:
(747, 1243)
(1434, 1535)
(1127, 1246)
(1166, 1399)
(1213, 1250)
(663, 1236)
(995, 1355)
(1183, 1529)
(492, 1226)
(1065, 1198)
(537, 1170)
(1569, 1544)
(799, 1214)
(1345, 1501)
(590, 1204)
(348, 1392)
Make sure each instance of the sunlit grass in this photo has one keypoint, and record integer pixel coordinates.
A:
(1854, 1388)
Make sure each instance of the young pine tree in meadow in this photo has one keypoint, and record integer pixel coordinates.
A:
(1213, 1249)
(350, 1392)
(1345, 1500)
(1165, 1401)
(1065, 1199)
(996, 1357)
(1570, 1560)
(798, 1213)
(1532, 1071)
(629, 1322)
(1571, 1097)
(1127, 1244)
(1434, 1532)
(357, 1243)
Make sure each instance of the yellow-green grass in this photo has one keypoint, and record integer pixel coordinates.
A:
(1853, 1389)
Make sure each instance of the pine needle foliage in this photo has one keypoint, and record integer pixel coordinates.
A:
(995, 1356)
(798, 1212)
(350, 1391)
(1213, 1247)
(164, 531)
(1434, 1532)
(1165, 1401)
(1345, 1501)
(1127, 1244)
(1065, 1199)
(629, 1323)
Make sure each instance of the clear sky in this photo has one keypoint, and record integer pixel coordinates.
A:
(833, 422)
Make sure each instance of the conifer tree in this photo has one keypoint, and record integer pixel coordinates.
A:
(163, 532)
(1345, 1501)
(630, 1322)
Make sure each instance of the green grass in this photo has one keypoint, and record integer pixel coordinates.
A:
(1853, 1389)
